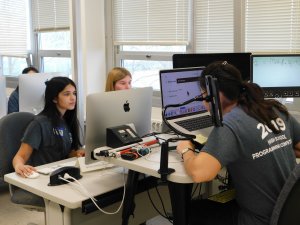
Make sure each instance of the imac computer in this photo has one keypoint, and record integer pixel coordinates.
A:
(239, 60)
(278, 75)
(115, 108)
(3, 99)
(32, 91)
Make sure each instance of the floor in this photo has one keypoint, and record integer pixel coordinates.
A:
(11, 214)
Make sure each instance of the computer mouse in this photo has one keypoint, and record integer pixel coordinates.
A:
(33, 175)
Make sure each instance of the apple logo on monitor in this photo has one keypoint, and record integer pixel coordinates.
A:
(126, 106)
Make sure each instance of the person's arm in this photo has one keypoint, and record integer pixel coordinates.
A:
(77, 153)
(20, 159)
(13, 103)
(202, 167)
(297, 150)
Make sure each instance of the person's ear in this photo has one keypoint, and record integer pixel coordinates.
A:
(55, 101)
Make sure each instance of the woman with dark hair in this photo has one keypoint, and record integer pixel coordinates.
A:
(257, 143)
(13, 101)
(54, 134)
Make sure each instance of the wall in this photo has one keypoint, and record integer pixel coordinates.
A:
(88, 49)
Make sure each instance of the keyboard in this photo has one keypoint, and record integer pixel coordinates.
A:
(196, 123)
(97, 165)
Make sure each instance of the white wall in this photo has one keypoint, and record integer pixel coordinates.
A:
(88, 48)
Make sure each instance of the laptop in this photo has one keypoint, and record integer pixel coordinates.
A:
(178, 86)
(115, 108)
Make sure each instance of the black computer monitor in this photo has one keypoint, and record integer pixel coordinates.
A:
(278, 75)
(242, 61)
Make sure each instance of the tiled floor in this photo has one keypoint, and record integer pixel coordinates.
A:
(11, 214)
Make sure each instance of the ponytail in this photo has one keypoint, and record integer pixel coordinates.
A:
(253, 103)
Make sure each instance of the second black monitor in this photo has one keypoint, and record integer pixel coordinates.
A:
(240, 60)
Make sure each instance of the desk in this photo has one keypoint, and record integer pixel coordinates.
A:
(179, 183)
(63, 202)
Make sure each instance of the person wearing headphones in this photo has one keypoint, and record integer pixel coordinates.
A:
(118, 79)
(258, 144)
(13, 101)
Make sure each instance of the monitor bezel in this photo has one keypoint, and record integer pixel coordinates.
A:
(192, 57)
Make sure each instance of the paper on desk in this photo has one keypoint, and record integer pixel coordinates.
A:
(200, 139)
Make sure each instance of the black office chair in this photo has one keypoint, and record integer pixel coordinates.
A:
(286, 210)
(12, 128)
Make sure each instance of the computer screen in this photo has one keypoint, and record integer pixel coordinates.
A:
(3, 99)
(242, 61)
(115, 108)
(278, 75)
(178, 86)
(32, 91)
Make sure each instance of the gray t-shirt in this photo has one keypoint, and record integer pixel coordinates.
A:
(43, 138)
(258, 160)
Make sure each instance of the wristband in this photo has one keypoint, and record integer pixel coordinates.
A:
(185, 150)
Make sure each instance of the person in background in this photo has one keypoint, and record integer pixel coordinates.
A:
(258, 144)
(13, 101)
(118, 79)
(54, 133)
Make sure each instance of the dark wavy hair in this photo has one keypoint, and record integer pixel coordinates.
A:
(28, 69)
(53, 88)
(249, 96)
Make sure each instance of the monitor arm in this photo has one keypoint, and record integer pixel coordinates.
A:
(216, 113)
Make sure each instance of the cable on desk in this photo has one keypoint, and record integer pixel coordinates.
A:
(85, 191)
(162, 203)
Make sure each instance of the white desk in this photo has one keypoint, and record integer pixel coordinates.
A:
(180, 184)
(61, 200)
(151, 164)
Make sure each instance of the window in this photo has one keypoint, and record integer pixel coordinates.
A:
(54, 51)
(52, 36)
(147, 34)
(144, 62)
(14, 36)
(214, 26)
(272, 26)
(13, 66)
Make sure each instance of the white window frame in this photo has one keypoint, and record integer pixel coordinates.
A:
(51, 53)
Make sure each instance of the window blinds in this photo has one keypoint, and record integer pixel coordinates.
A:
(272, 26)
(50, 15)
(214, 26)
(13, 28)
(144, 22)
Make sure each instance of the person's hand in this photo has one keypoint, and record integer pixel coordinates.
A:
(77, 153)
(80, 153)
(183, 145)
(24, 170)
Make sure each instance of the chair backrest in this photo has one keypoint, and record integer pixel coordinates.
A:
(12, 128)
(286, 210)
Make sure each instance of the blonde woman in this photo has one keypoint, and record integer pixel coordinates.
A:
(118, 79)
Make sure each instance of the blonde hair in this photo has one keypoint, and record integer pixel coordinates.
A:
(116, 74)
